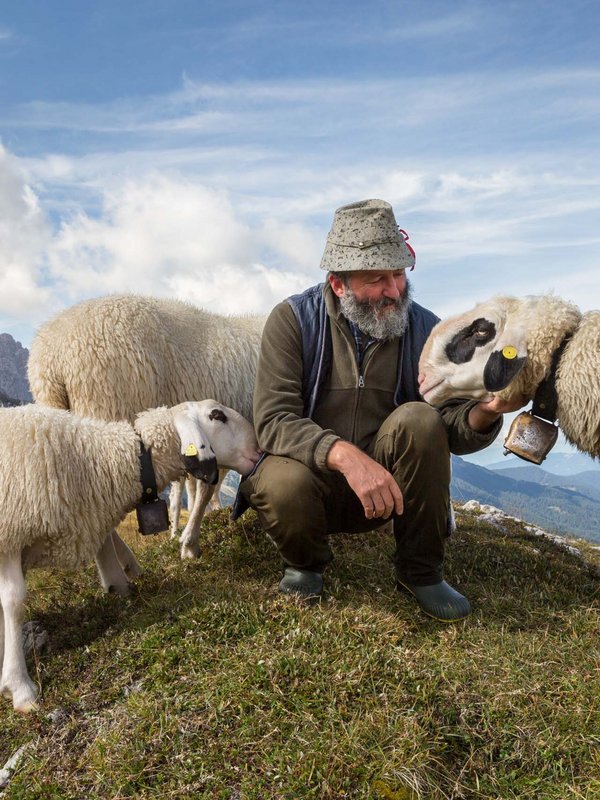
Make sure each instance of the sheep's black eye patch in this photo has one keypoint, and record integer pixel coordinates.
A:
(216, 413)
(461, 347)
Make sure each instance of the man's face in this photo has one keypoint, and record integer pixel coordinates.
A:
(376, 300)
(373, 285)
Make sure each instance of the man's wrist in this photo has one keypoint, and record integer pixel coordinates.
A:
(337, 454)
(482, 419)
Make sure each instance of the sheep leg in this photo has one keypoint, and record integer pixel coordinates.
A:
(175, 499)
(190, 485)
(112, 575)
(15, 680)
(127, 559)
(190, 537)
(215, 503)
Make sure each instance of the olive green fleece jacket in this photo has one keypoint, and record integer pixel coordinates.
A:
(345, 409)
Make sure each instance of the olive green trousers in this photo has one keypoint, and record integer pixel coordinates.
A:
(299, 507)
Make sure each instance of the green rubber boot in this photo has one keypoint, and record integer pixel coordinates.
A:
(439, 601)
(301, 582)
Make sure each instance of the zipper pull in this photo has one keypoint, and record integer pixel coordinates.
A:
(361, 383)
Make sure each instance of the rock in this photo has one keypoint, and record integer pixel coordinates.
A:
(34, 636)
(11, 765)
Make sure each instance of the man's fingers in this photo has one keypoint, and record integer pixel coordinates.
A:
(398, 499)
(386, 503)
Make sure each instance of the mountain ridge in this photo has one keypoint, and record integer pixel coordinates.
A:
(13, 371)
(566, 509)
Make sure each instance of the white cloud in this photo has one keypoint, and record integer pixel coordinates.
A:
(464, 20)
(170, 237)
(24, 234)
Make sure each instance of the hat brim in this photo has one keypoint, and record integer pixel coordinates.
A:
(389, 255)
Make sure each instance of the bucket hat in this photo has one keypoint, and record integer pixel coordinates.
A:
(365, 235)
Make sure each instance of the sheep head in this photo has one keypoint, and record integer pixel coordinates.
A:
(502, 346)
(230, 437)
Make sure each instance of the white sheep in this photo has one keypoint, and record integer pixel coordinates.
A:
(115, 356)
(505, 346)
(67, 480)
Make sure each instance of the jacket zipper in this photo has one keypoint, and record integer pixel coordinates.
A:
(361, 382)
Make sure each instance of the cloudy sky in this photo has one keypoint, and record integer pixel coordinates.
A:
(199, 148)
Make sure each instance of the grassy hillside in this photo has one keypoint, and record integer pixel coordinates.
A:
(207, 684)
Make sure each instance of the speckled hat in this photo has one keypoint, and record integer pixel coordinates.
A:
(365, 235)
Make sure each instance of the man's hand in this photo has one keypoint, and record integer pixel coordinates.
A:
(373, 485)
(486, 412)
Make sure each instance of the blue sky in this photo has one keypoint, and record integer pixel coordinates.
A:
(199, 149)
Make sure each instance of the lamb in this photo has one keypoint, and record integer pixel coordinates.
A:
(505, 346)
(115, 356)
(67, 480)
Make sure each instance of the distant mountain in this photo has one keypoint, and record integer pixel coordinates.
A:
(587, 482)
(556, 463)
(555, 507)
(13, 370)
(6, 401)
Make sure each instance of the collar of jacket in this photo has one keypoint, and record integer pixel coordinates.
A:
(312, 308)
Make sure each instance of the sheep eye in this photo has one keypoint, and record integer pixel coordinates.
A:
(461, 348)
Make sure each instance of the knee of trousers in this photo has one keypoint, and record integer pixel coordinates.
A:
(418, 427)
(286, 489)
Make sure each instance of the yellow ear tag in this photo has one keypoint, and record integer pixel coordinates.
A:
(509, 351)
(191, 450)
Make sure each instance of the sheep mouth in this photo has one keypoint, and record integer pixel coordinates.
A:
(429, 389)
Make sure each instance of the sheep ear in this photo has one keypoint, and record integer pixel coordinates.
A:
(506, 360)
(219, 414)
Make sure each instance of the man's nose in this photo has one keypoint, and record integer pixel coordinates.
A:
(391, 289)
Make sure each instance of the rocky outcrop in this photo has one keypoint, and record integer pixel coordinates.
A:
(13, 371)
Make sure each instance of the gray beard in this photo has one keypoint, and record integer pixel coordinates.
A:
(389, 325)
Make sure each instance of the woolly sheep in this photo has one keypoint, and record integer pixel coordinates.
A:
(115, 356)
(66, 481)
(505, 345)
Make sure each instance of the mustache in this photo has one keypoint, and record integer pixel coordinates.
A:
(383, 302)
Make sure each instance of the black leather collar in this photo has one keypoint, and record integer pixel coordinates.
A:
(147, 476)
(545, 400)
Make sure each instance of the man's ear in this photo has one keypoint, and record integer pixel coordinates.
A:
(337, 285)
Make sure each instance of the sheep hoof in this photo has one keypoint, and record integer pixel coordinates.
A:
(122, 590)
(190, 551)
(24, 699)
(27, 707)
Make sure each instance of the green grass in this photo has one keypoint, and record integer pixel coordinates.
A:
(207, 684)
